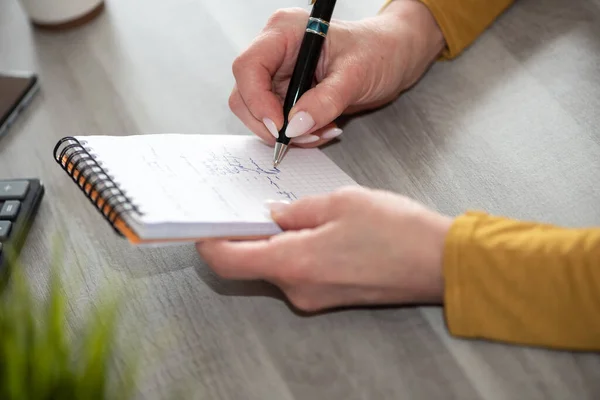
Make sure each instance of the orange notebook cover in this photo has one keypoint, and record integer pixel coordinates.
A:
(172, 187)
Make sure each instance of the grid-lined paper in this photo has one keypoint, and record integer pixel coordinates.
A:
(211, 179)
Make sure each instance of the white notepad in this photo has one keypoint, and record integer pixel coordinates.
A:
(188, 187)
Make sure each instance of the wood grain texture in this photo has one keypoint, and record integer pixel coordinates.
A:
(510, 127)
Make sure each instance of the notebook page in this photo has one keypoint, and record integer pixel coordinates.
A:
(188, 179)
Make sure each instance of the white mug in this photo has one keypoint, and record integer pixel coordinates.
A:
(60, 12)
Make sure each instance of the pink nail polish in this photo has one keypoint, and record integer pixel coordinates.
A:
(305, 139)
(271, 127)
(300, 123)
(275, 206)
(331, 133)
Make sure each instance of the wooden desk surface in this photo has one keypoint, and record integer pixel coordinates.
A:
(511, 127)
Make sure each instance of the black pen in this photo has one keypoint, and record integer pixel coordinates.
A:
(304, 71)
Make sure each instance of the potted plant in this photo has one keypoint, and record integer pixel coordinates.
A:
(40, 359)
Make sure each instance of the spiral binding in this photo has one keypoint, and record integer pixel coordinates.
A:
(93, 180)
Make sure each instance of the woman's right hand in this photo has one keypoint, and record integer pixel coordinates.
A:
(364, 64)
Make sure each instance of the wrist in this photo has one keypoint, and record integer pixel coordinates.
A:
(432, 255)
(428, 36)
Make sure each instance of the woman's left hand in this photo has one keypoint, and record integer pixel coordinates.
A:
(355, 246)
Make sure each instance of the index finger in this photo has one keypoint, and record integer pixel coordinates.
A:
(254, 70)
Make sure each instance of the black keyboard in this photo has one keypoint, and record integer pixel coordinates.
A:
(19, 202)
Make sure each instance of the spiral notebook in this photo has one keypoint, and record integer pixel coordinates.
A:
(183, 187)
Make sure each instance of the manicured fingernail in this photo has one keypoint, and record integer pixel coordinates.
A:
(300, 124)
(271, 127)
(276, 206)
(331, 133)
(305, 139)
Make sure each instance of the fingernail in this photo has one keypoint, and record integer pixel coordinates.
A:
(300, 124)
(272, 128)
(331, 133)
(276, 206)
(305, 139)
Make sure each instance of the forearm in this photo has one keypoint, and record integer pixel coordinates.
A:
(461, 21)
(523, 283)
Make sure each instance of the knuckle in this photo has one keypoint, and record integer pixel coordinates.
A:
(238, 64)
(334, 101)
(219, 268)
(346, 197)
(252, 102)
(353, 191)
(303, 301)
(277, 17)
(234, 102)
(305, 304)
(297, 271)
(356, 79)
(344, 193)
(284, 15)
(337, 199)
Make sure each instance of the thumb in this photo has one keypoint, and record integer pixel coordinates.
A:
(308, 212)
(321, 105)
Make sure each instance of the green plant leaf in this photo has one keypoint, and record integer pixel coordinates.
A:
(97, 347)
(38, 361)
(16, 337)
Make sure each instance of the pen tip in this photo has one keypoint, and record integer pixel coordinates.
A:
(280, 150)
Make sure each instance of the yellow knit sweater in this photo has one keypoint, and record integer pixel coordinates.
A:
(507, 280)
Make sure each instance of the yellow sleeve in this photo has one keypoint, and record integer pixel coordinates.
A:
(523, 283)
(462, 21)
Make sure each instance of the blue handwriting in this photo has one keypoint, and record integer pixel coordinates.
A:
(227, 164)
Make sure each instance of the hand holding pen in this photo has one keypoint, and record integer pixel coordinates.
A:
(363, 64)
(303, 75)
